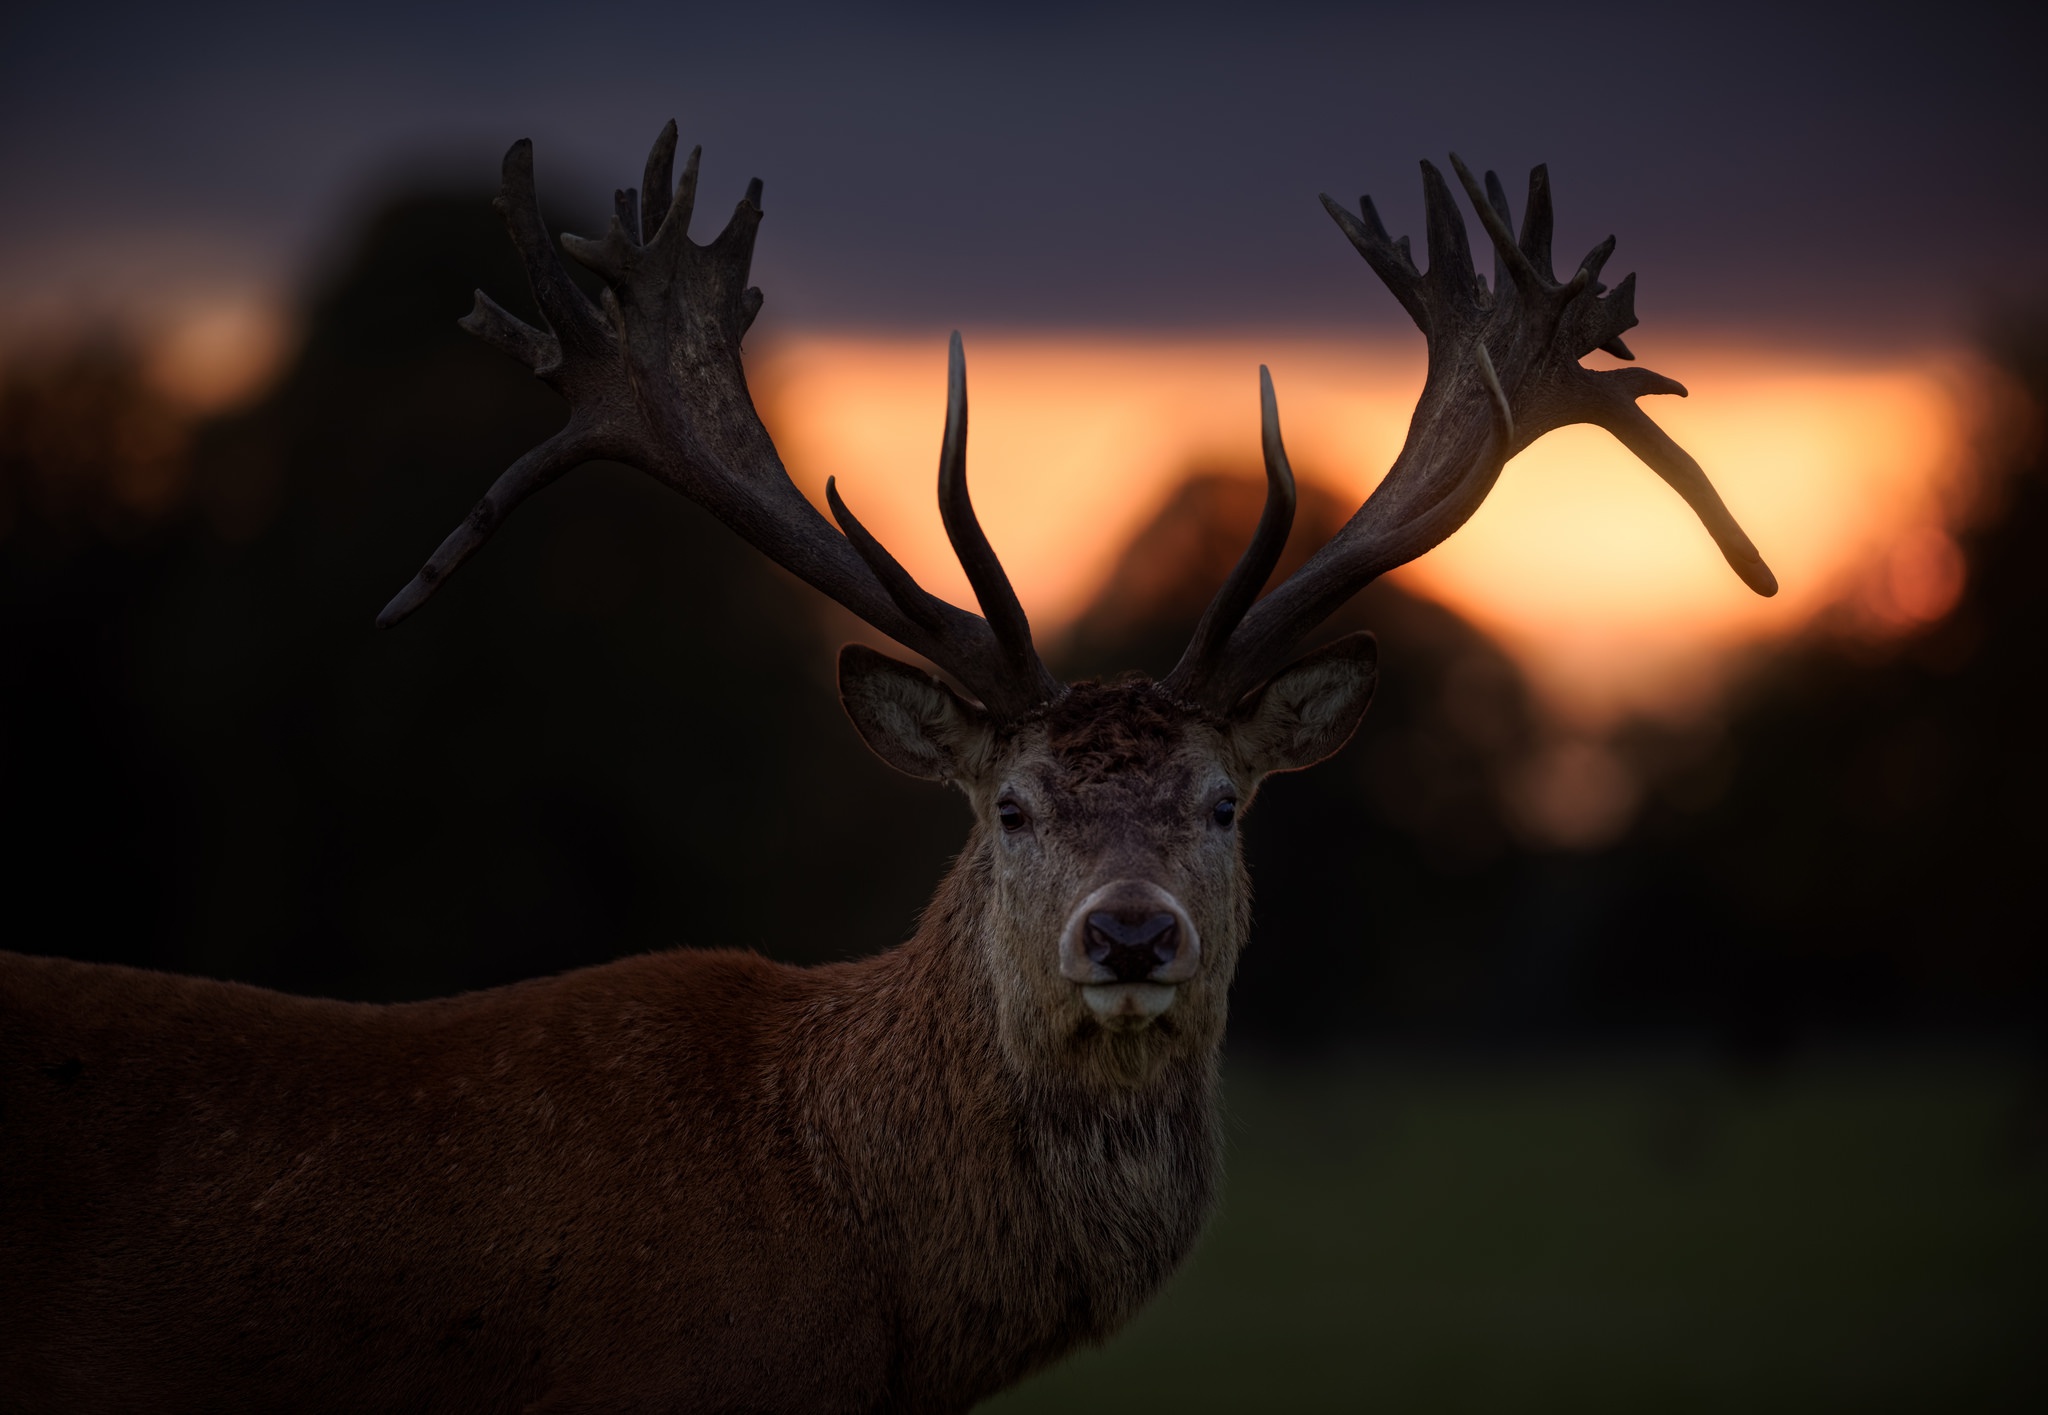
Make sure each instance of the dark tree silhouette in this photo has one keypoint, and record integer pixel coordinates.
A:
(618, 731)
(1864, 854)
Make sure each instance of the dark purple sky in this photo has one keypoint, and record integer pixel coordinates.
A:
(1858, 173)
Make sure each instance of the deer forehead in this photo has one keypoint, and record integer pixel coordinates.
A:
(1119, 799)
(1109, 761)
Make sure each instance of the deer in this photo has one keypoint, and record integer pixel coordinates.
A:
(699, 1180)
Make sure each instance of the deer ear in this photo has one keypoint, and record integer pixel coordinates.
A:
(1307, 710)
(910, 719)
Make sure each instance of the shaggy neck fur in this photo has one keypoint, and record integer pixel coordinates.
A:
(1019, 1210)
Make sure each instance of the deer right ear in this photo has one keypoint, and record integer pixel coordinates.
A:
(910, 719)
(1307, 710)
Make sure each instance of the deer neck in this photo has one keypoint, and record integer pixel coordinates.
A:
(999, 1185)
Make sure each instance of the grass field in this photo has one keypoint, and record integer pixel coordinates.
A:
(1653, 1236)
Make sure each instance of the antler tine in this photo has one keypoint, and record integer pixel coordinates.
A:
(654, 379)
(1617, 311)
(1451, 277)
(563, 452)
(910, 597)
(684, 203)
(1537, 220)
(656, 181)
(1636, 431)
(992, 589)
(567, 310)
(1496, 222)
(1502, 372)
(1389, 259)
(508, 334)
(1497, 196)
(1227, 610)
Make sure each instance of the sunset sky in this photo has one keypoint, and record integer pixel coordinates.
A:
(1587, 568)
(1824, 205)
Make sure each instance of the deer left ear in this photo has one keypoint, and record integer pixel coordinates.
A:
(910, 719)
(1307, 710)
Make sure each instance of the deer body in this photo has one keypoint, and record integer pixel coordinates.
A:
(684, 1181)
(703, 1181)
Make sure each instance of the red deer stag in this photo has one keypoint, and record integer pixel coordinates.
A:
(700, 1181)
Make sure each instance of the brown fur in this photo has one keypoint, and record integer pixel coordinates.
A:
(1099, 732)
(685, 1181)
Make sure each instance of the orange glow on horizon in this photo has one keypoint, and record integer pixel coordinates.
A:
(1590, 571)
(219, 353)
(209, 351)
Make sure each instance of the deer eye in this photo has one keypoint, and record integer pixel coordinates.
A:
(1012, 816)
(1224, 812)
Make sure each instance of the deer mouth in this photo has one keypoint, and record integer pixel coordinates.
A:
(1125, 1007)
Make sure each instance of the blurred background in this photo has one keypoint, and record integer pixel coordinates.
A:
(1646, 1011)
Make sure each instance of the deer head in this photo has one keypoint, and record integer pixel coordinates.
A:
(1105, 850)
(1103, 891)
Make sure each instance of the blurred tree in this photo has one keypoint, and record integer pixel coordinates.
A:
(1858, 846)
(86, 791)
(617, 731)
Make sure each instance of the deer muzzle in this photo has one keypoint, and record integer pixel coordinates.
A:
(1129, 944)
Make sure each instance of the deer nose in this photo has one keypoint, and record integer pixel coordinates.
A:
(1130, 932)
(1132, 944)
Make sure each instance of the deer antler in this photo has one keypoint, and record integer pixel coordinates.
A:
(1503, 370)
(653, 378)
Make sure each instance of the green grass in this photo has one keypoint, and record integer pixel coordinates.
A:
(1653, 1237)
